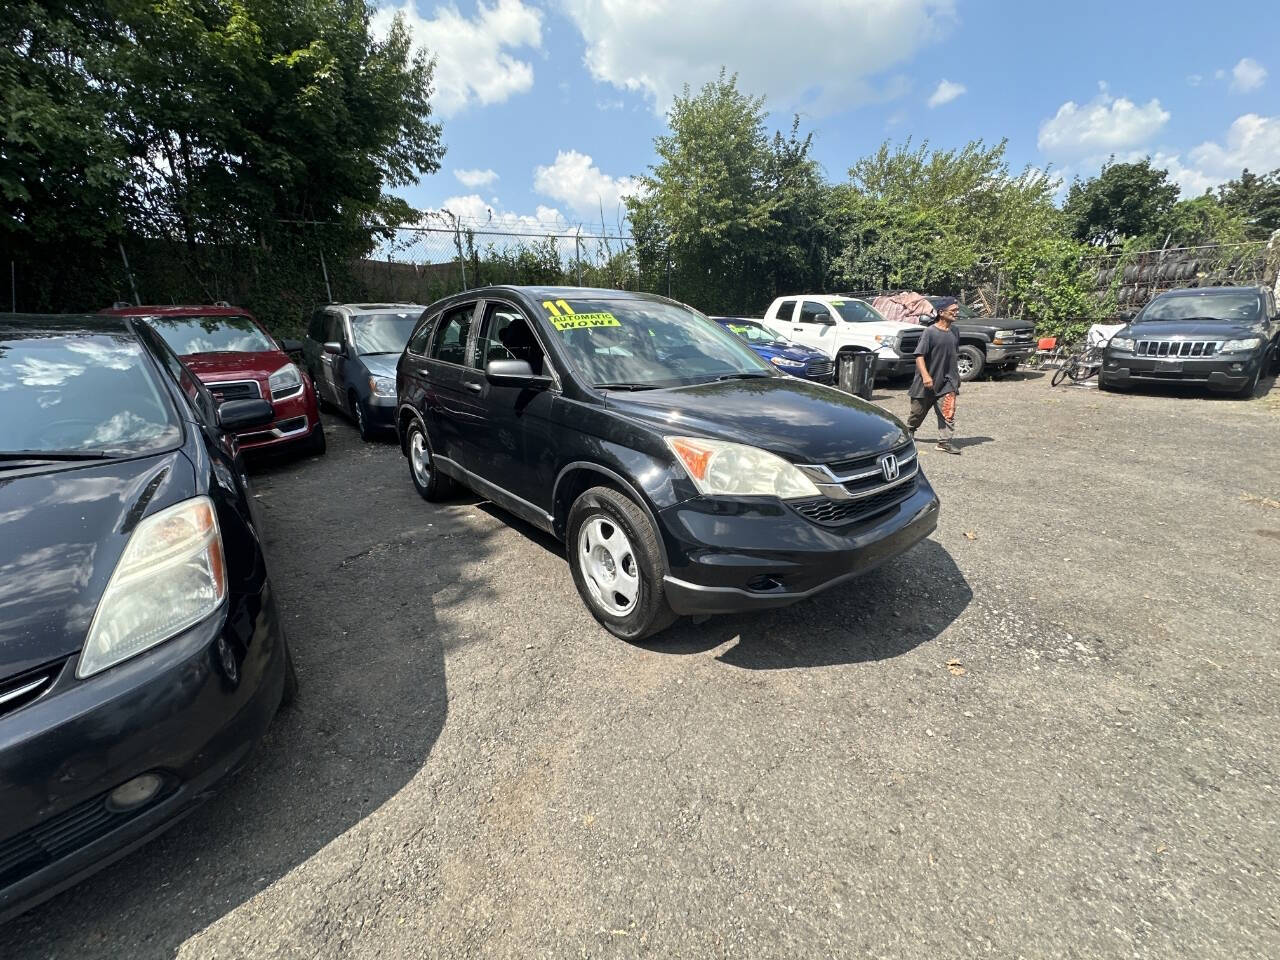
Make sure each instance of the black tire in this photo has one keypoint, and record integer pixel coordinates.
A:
(1082, 370)
(1246, 392)
(431, 484)
(971, 361)
(604, 509)
(360, 417)
(290, 693)
(1061, 373)
(316, 444)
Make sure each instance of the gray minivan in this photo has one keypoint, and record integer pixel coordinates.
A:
(351, 351)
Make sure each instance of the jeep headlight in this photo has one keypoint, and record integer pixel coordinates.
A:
(787, 364)
(382, 387)
(171, 576)
(1240, 346)
(734, 469)
(1121, 343)
(285, 382)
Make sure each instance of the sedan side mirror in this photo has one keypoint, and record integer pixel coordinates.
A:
(242, 414)
(514, 373)
(332, 346)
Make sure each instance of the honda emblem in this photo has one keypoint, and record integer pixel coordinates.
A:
(889, 467)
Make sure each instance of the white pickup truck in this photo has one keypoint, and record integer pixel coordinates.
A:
(831, 323)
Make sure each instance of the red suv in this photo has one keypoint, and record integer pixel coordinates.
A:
(238, 360)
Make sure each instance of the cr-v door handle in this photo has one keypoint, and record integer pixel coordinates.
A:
(473, 386)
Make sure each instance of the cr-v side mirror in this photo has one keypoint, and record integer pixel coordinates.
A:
(242, 414)
(514, 373)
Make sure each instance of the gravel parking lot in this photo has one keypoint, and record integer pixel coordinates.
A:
(1050, 729)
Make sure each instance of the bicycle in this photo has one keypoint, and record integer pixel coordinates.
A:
(1080, 367)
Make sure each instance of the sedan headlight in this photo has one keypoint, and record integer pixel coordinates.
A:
(172, 575)
(734, 469)
(382, 387)
(1240, 346)
(285, 382)
(1121, 343)
(787, 364)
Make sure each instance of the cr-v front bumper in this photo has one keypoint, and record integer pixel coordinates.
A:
(727, 557)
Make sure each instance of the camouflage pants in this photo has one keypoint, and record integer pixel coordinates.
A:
(945, 408)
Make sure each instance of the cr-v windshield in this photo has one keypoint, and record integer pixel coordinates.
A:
(69, 392)
(1245, 306)
(383, 332)
(645, 343)
(186, 335)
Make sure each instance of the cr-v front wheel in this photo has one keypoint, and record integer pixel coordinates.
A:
(617, 564)
(430, 483)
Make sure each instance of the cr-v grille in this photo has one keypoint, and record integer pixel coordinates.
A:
(1177, 348)
(17, 692)
(834, 513)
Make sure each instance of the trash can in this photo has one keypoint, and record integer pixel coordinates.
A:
(857, 372)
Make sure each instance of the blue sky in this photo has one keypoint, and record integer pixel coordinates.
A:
(549, 106)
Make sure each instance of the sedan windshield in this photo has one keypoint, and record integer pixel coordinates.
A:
(383, 332)
(1244, 305)
(188, 335)
(80, 392)
(753, 332)
(639, 344)
(857, 311)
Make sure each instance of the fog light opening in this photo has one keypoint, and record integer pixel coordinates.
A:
(764, 584)
(134, 793)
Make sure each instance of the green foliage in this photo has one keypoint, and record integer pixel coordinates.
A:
(206, 123)
(736, 214)
(1197, 222)
(1255, 198)
(1049, 281)
(921, 219)
(1123, 200)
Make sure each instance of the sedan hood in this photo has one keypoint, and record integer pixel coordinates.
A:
(61, 534)
(1190, 330)
(802, 422)
(791, 351)
(212, 367)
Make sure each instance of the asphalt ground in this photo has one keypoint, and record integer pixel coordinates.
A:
(1049, 730)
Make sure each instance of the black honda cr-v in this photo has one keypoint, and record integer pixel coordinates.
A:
(684, 474)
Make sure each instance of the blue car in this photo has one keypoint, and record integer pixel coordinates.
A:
(799, 361)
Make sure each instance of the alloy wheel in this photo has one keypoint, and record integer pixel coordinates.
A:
(419, 458)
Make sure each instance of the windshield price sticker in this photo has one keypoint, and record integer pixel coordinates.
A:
(837, 303)
(582, 321)
(739, 328)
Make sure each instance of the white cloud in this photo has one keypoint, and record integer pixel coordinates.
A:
(1195, 79)
(473, 64)
(1104, 123)
(476, 178)
(946, 92)
(821, 55)
(1247, 75)
(576, 181)
(474, 211)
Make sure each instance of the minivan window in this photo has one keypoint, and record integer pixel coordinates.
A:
(451, 338)
(1226, 305)
(315, 330)
(382, 332)
(230, 334)
(638, 344)
(81, 392)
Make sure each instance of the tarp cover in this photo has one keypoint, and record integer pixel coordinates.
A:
(907, 307)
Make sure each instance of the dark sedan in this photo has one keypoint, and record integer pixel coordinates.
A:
(141, 655)
(1225, 338)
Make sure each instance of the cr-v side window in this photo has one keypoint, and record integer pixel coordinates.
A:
(506, 335)
(452, 331)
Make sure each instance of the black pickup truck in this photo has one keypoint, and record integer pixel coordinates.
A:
(986, 343)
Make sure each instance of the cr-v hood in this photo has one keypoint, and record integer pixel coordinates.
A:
(61, 534)
(801, 421)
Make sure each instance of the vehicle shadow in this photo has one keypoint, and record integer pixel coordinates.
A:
(882, 615)
(372, 703)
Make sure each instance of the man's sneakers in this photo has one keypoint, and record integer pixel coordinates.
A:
(945, 447)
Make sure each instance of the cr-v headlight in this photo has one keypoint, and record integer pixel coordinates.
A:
(285, 382)
(1240, 346)
(171, 576)
(734, 469)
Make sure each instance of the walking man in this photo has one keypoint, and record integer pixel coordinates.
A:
(937, 381)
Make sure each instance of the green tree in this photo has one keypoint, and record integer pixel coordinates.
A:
(1197, 222)
(912, 217)
(1123, 200)
(1256, 199)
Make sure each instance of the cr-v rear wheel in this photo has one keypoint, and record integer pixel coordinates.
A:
(617, 564)
(430, 484)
